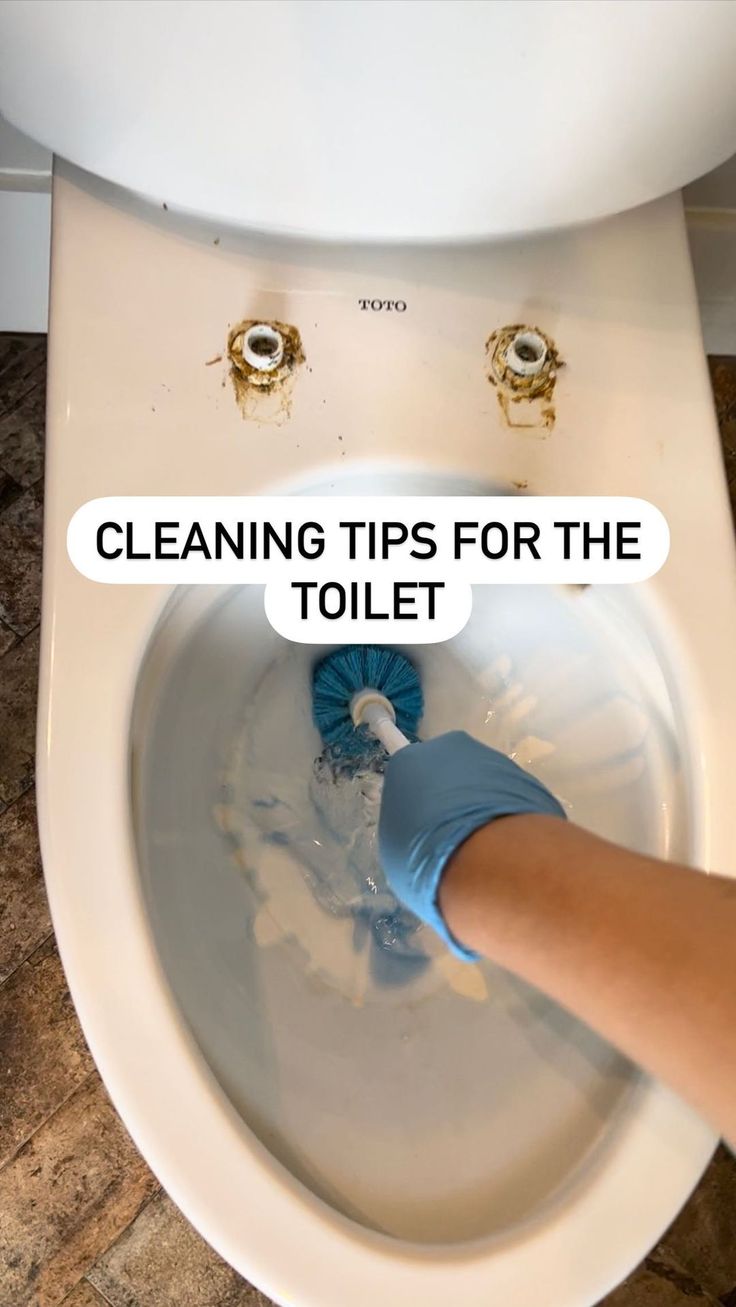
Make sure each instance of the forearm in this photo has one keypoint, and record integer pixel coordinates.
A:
(556, 904)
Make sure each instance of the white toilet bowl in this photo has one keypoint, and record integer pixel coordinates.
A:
(336, 1137)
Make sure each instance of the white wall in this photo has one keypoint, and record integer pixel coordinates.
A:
(23, 159)
(25, 231)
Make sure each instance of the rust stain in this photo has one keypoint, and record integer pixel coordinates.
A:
(521, 485)
(264, 396)
(525, 402)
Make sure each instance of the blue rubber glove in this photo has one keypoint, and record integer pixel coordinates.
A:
(435, 794)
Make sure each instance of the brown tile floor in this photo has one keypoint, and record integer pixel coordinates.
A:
(84, 1223)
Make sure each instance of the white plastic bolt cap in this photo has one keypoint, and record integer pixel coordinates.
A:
(527, 354)
(263, 347)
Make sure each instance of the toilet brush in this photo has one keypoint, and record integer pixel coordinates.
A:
(361, 693)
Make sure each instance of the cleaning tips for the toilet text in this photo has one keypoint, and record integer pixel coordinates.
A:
(364, 569)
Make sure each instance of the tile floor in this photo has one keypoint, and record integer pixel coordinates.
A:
(84, 1223)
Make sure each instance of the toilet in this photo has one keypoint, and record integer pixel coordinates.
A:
(342, 1130)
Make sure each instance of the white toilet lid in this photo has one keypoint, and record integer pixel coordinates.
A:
(379, 119)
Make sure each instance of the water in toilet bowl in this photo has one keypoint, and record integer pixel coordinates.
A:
(299, 825)
(421, 1095)
(324, 817)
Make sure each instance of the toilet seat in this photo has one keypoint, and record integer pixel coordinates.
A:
(390, 123)
(136, 406)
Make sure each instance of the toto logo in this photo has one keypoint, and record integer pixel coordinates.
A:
(382, 306)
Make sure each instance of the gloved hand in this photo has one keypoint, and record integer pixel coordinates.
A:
(435, 794)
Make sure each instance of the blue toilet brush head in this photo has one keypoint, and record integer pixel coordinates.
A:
(344, 672)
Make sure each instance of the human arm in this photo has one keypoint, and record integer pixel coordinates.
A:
(641, 950)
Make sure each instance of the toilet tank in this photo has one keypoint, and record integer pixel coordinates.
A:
(398, 120)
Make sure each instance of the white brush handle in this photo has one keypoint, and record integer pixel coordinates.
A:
(373, 710)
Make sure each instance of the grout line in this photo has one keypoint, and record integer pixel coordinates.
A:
(13, 648)
(4, 626)
(19, 401)
(17, 798)
(31, 485)
(121, 1233)
(41, 943)
(665, 1264)
(95, 1288)
(62, 1103)
(11, 492)
(5, 806)
(8, 803)
(6, 370)
(22, 635)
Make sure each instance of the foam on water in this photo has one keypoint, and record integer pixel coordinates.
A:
(288, 808)
(332, 830)
(306, 831)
